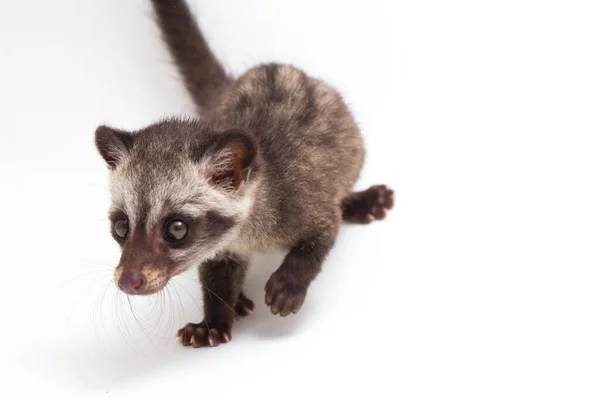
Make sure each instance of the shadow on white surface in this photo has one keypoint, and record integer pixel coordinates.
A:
(110, 353)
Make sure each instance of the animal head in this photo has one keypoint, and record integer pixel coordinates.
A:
(179, 191)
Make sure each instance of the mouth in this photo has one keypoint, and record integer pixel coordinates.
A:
(144, 293)
(144, 283)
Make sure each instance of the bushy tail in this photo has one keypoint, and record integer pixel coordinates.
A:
(202, 73)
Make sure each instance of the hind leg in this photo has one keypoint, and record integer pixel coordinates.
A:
(366, 206)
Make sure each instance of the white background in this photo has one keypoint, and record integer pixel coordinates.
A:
(483, 283)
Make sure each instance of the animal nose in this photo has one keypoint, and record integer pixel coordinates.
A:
(132, 283)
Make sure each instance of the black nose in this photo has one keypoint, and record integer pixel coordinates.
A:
(132, 283)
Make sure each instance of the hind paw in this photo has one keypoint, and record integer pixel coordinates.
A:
(366, 206)
(244, 306)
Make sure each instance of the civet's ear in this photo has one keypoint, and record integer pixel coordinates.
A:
(229, 159)
(113, 144)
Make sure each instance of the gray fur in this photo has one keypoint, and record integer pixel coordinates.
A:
(267, 165)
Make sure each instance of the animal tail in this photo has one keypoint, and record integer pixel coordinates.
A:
(203, 75)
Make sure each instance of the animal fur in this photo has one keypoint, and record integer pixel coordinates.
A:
(268, 165)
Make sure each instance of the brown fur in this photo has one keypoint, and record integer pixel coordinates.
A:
(204, 76)
(274, 140)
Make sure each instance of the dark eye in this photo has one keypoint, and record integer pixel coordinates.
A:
(175, 231)
(122, 228)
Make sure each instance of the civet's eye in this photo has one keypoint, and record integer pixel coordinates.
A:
(175, 231)
(122, 228)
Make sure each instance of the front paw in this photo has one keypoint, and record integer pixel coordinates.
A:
(203, 334)
(284, 294)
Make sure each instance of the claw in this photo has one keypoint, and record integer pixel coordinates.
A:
(226, 337)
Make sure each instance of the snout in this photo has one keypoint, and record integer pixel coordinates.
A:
(144, 281)
(132, 283)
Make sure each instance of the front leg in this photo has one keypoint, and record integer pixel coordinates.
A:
(286, 289)
(222, 279)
